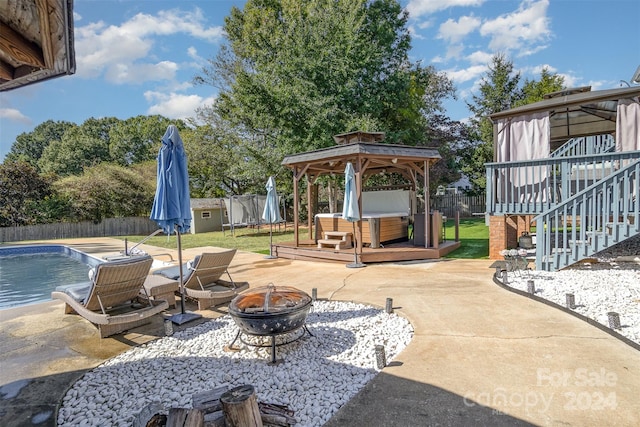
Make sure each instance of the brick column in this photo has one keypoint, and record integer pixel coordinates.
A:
(497, 236)
(504, 232)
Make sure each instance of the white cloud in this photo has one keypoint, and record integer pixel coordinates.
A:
(601, 84)
(479, 57)
(454, 31)
(570, 80)
(414, 33)
(536, 70)
(454, 51)
(520, 31)
(174, 105)
(14, 115)
(139, 73)
(418, 8)
(193, 53)
(467, 74)
(116, 50)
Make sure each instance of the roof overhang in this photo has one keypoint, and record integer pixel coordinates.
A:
(576, 113)
(36, 41)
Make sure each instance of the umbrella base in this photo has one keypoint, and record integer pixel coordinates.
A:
(356, 265)
(181, 318)
(270, 257)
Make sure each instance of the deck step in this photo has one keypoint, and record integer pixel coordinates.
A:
(337, 244)
(337, 239)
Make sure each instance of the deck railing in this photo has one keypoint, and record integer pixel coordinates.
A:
(586, 145)
(603, 214)
(535, 186)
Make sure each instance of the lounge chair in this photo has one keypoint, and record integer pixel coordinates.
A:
(115, 299)
(202, 279)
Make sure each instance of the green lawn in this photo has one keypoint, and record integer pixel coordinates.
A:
(244, 239)
(474, 236)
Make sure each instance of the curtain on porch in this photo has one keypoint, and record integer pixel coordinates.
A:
(628, 125)
(519, 139)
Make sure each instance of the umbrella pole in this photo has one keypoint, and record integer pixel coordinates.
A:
(183, 316)
(182, 311)
(270, 256)
(355, 263)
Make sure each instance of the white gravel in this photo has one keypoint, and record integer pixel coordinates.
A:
(598, 288)
(318, 375)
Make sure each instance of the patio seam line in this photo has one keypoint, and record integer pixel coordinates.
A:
(514, 338)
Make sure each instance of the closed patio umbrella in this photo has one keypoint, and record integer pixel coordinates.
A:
(271, 213)
(350, 208)
(171, 204)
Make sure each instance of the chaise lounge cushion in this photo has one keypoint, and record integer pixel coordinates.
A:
(77, 291)
(174, 272)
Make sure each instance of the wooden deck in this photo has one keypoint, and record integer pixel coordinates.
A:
(404, 251)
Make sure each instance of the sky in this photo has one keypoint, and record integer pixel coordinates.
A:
(139, 57)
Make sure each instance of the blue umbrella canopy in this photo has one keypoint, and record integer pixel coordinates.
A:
(271, 212)
(171, 205)
(350, 209)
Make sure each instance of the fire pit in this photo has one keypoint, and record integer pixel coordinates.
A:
(270, 311)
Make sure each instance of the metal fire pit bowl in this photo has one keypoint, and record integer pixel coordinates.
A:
(270, 311)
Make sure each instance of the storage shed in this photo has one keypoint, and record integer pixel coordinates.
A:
(207, 215)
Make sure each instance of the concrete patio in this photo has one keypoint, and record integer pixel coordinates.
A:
(481, 355)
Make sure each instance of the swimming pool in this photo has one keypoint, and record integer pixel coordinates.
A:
(29, 273)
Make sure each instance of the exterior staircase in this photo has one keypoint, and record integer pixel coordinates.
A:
(583, 198)
(600, 216)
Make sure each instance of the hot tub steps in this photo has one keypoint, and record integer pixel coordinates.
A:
(337, 239)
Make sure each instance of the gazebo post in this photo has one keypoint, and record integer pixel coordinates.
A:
(296, 236)
(427, 202)
(310, 207)
(359, 191)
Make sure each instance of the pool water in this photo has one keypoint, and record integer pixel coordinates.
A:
(29, 274)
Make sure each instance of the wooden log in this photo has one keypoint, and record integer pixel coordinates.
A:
(240, 407)
(276, 415)
(214, 419)
(208, 401)
(183, 417)
(150, 416)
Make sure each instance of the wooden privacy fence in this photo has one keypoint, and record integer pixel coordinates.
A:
(449, 204)
(131, 226)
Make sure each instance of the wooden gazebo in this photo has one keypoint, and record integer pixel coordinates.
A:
(368, 156)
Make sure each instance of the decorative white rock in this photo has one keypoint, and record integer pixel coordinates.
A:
(319, 373)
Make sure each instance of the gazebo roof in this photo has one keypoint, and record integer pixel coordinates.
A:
(374, 155)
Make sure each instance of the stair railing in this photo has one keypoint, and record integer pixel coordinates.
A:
(603, 214)
(586, 145)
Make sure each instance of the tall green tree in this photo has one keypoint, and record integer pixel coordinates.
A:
(499, 90)
(295, 73)
(535, 90)
(80, 147)
(26, 197)
(137, 139)
(28, 147)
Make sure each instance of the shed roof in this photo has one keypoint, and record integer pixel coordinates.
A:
(207, 203)
(36, 42)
